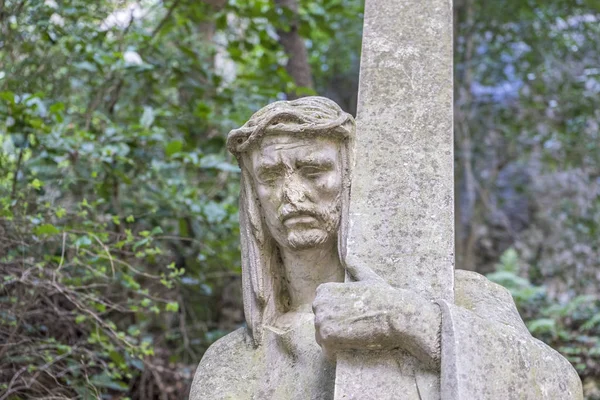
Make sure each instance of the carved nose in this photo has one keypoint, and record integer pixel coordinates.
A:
(292, 192)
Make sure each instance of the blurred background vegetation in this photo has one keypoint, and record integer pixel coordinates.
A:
(119, 261)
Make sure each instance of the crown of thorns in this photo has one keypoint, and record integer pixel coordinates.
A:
(306, 116)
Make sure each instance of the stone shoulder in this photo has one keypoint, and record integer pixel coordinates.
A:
(235, 341)
(548, 373)
(469, 279)
(226, 370)
(487, 299)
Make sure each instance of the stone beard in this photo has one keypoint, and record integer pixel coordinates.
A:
(303, 305)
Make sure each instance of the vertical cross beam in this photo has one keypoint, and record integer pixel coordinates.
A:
(402, 205)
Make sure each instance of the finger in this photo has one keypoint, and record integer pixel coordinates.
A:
(329, 286)
(329, 354)
(362, 273)
(329, 351)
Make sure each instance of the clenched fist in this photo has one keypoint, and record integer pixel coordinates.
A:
(374, 315)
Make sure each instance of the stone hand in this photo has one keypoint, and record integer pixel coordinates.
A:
(373, 315)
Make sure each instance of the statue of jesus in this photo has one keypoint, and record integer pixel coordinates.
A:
(303, 304)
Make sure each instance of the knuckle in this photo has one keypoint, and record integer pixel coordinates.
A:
(323, 288)
(326, 333)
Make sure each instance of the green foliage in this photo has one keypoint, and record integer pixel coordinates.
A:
(572, 327)
(507, 275)
(528, 193)
(118, 201)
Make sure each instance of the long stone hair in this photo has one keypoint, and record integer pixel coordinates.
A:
(263, 289)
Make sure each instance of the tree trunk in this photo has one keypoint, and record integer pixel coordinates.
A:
(295, 48)
(466, 193)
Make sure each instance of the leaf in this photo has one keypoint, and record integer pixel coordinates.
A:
(214, 162)
(542, 325)
(509, 261)
(83, 241)
(141, 243)
(592, 322)
(172, 306)
(595, 4)
(214, 212)
(46, 229)
(8, 96)
(36, 184)
(147, 117)
(173, 147)
(57, 108)
(117, 357)
(156, 231)
(104, 380)
(203, 110)
(86, 66)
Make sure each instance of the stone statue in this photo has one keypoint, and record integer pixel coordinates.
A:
(303, 304)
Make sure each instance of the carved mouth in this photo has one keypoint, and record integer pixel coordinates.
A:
(298, 219)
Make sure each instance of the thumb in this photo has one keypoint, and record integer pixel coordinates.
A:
(362, 273)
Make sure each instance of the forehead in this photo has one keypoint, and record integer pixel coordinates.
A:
(277, 148)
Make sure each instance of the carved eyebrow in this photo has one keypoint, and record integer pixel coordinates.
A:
(315, 162)
(269, 168)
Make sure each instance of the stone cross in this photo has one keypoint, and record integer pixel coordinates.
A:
(402, 204)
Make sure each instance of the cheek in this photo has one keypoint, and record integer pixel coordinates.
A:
(268, 197)
(328, 188)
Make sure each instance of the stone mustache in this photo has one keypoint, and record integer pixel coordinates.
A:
(303, 304)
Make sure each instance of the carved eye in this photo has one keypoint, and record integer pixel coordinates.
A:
(269, 177)
(312, 172)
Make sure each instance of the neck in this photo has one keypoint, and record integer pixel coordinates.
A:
(305, 270)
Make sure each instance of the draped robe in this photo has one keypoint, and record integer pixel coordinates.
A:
(486, 353)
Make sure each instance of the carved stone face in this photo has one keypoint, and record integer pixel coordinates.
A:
(298, 181)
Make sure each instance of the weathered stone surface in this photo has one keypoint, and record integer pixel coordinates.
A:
(296, 162)
(389, 342)
(488, 353)
(287, 365)
(402, 209)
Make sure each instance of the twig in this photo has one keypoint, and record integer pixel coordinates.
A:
(12, 382)
(183, 328)
(95, 317)
(112, 264)
(16, 174)
(123, 263)
(159, 382)
(29, 383)
(162, 23)
(62, 257)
